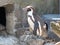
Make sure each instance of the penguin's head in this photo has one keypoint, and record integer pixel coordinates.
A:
(29, 9)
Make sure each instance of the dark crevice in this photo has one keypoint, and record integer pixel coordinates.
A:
(3, 16)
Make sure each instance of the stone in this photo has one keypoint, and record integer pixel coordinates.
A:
(23, 43)
(49, 43)
(31, 40)
(35, 42)
(5, 2)
(2, 27)
(9, 40)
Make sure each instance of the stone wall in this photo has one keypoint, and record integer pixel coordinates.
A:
(9, 18)
(13, 18)
(5, 2)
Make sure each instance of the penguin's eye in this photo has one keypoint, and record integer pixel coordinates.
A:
(28, 9)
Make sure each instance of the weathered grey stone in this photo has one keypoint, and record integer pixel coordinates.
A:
(50, 43)
(10, 40)
(35, 42)
(12, 18)
(22, 32)
(2, 27)
(31, 40)
(5, 2)
(27, 37)
(12, 10)
(23, 43)
(10, 23)
(18, 25)
(28, 33)
(3, 33)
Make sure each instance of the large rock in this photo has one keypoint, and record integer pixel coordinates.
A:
(35, 42)
(10, 40)
(23, 43)
(51, 43)
(5, 2)
(2, 27)
(23, 32)
(30, 40)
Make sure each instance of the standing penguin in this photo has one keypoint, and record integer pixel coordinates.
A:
(35, 22)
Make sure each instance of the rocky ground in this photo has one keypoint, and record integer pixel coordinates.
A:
(23, 37)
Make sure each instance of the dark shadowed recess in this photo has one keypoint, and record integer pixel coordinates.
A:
(3, 16)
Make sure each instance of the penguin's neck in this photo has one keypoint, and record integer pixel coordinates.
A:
(30, 13)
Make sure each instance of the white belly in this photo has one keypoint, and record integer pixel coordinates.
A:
(31, 24)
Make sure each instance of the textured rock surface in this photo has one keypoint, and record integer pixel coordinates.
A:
(10, 40)
(2, 27)
(24, 39)
(31, 40)
(35, 42)
(5, 2)
(51, 43)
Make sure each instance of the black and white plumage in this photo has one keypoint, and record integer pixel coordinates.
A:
(35, 22)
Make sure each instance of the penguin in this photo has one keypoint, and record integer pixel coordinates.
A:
(37, 25)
